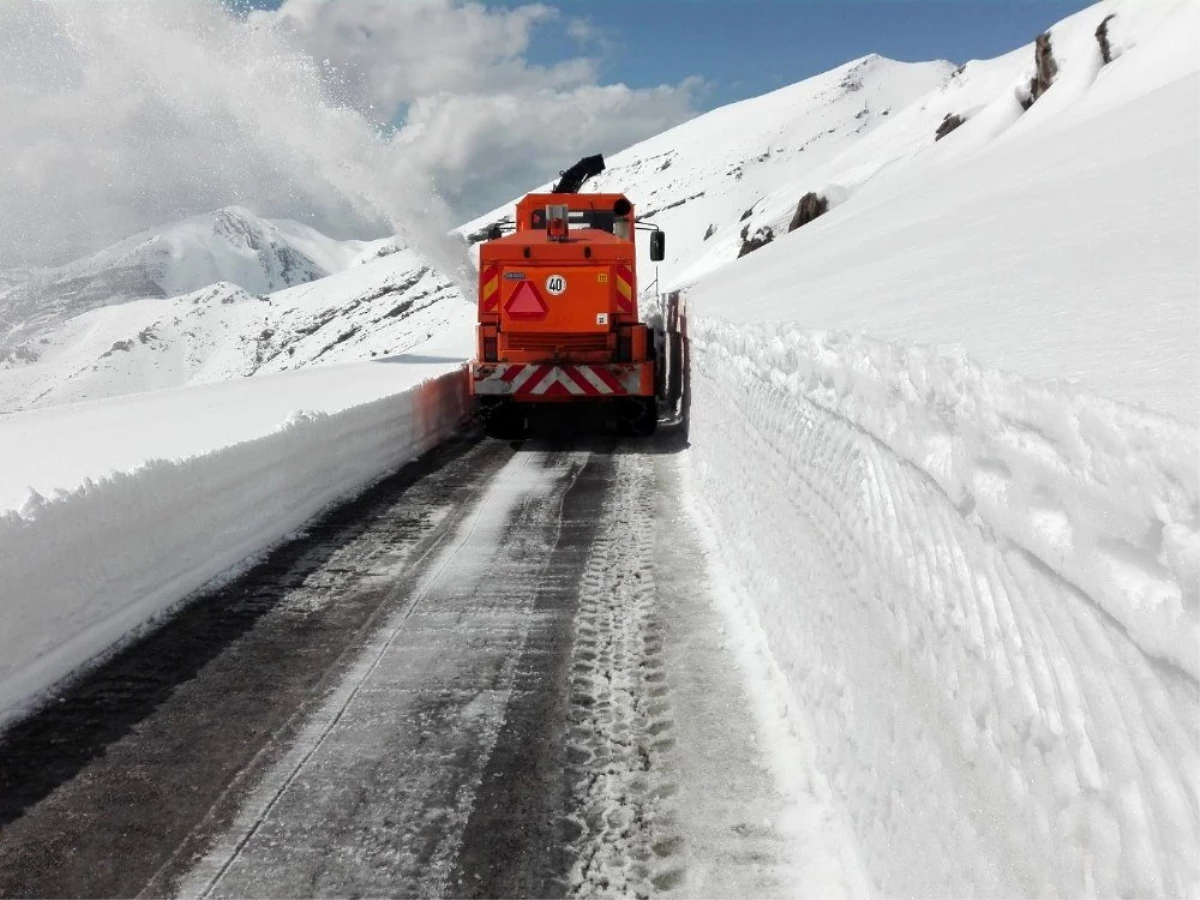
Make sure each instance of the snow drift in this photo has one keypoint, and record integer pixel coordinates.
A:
(1102, 494)
(85, 566)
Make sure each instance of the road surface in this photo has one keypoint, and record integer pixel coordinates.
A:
(497, 673)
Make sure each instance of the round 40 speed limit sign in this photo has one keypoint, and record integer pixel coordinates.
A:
(555, 284)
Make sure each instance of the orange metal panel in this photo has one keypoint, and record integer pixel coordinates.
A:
(489, 288)
(578, 299)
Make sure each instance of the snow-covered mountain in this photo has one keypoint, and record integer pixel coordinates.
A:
(1053, 239)
(916, 167)
(707, 180)
(211, 298)
(387, 306)
(232, 245)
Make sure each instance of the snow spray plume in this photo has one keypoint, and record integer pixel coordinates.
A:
(115, 117)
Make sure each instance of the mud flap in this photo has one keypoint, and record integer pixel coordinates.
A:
(671, 371)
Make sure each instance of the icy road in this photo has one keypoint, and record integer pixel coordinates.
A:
(498, 673)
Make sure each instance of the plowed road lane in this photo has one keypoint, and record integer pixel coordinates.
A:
(497, 673)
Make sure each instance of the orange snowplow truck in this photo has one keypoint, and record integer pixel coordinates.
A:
(558, 311)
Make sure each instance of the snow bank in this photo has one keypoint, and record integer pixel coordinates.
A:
(979, 565)
(40, 450)
(983, 591)
(83, 567)
(1104, 495)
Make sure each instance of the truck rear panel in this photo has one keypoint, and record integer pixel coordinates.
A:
(549, 382)
(558, 315)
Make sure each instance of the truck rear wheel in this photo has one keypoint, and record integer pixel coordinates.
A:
(639, 416)
(503, 420)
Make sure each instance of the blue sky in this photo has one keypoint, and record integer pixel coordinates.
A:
(743, 48)
(461, 82)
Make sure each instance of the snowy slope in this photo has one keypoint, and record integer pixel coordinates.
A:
(946, 435)
(712, 169)
(1082, 228)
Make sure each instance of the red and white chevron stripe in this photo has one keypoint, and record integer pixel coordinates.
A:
(546, 380)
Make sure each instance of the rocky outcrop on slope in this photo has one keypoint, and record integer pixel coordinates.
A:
(952, 121)
(761, 238)
(1045, 69)
(1106, 52)
(811, 206)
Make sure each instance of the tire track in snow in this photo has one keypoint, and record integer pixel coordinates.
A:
(409, 731)
(315, 735)
(621, 718)
(517, 842)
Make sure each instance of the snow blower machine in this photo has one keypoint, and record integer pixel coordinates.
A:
(558, 328)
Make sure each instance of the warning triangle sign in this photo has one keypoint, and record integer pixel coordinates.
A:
(526, 302)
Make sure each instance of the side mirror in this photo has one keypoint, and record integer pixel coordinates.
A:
(658, 246)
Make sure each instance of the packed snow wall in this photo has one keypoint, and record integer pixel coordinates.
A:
(85, 568)
(983, 591)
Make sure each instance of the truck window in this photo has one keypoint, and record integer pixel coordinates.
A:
(603, 219)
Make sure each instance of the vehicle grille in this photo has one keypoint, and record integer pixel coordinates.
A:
(549, 342)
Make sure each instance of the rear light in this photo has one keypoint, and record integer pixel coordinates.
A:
(489, 349)
(557, 215)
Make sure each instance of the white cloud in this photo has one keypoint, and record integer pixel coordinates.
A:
(582, 31)
(487, 148)
(481, 116)
(394, 53)
(117, 116)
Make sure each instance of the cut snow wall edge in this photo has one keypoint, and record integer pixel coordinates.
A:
(1103, 495)
(139, 542)
(968, 705)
